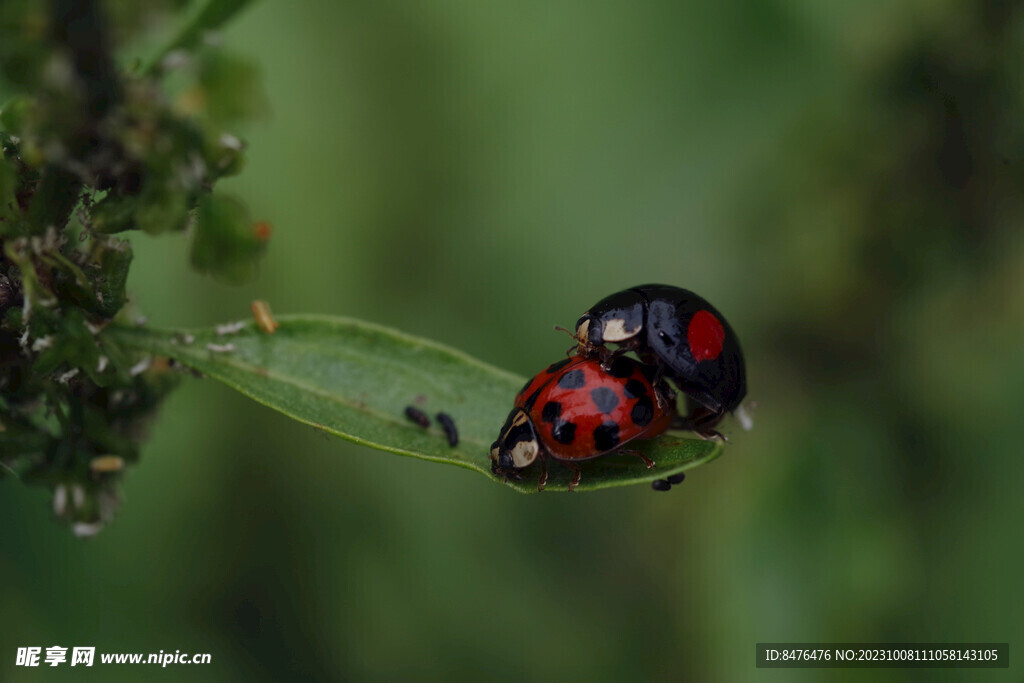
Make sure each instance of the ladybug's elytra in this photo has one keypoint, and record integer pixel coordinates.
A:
(681, 333)
(576, 410)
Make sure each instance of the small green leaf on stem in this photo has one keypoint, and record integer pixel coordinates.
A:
(227, 243)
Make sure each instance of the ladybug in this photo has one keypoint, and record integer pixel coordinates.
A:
(576, 410)
(683, 335)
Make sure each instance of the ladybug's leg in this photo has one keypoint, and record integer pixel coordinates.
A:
(701, 421)
(609, 358)
(659, 374)
(666, 395)
(628, 451)
(576, 474)
(703, 430)
(704, 422)
(543, 475)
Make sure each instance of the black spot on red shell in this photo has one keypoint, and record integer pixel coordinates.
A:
(574, 379)
(621, 367)
(643, 412)
(604, 398)
(635, 389)
(528, 403)
(555, 367)
(564, 432)
(552, 411)
(606, 437)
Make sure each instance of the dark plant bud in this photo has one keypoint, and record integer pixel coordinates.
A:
(225, 156)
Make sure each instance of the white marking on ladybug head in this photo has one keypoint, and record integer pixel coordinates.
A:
(583, 329)
(524, 453)
(615, 330)
(517, 447)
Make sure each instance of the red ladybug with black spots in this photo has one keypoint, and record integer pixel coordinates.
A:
(576, 410)
(683, 335)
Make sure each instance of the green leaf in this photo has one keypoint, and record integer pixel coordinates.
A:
(226, 242)
(54, 199)
(112, 258)
(210, 17)
(232, 86)
(19, 116)
(354, 380)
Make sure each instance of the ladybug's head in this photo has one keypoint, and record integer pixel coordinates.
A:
(517, 445)
(615, 319)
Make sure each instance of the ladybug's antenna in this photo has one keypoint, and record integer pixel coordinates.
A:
(562, 329)
(568, 351)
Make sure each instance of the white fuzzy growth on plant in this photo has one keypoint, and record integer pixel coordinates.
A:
(229, 328)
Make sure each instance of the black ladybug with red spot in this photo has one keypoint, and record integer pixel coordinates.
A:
(683, 335)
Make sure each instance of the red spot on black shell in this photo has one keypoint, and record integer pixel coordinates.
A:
(705, 335)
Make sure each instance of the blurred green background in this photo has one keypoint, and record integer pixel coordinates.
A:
(844, 180)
